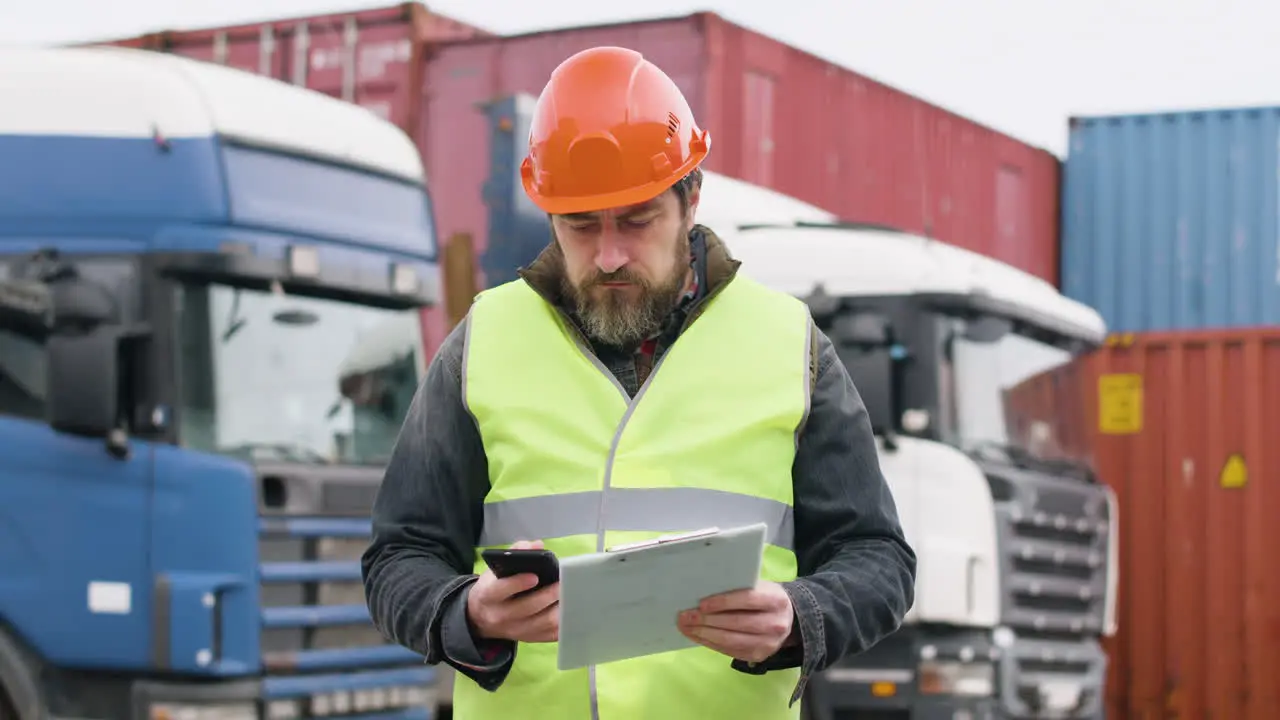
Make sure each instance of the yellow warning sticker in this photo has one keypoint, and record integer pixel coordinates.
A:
(1120, 403)
(1234, 472)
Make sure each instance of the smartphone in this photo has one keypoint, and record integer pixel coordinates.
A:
(543, 563)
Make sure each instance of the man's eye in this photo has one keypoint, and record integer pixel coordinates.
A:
(637, 222)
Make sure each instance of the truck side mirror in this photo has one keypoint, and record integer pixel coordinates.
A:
(864, 342)
(873, 375)
(822, 306)
(84, 382)
(863, 330)
(85, 393)
(987, 329)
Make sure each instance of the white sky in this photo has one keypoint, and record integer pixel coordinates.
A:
(1021, 66)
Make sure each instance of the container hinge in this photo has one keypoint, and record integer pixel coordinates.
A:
(220, 47)
(301, 46)
(350, 39)
(266, 50)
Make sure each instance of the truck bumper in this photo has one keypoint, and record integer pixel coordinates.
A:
(256, 699)
(151, 700)
(954, 709)
(844, 698)
(890, 681)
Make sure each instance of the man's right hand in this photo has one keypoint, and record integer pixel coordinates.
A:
(496, 614)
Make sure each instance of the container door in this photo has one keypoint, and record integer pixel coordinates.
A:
(1013, 244)
(757, 129)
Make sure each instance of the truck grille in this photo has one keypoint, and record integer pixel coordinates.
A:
(1053, 539)
(320, 652)
(1053, 678)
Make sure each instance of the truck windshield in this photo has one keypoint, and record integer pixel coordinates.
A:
(979, 371)
(268, 376)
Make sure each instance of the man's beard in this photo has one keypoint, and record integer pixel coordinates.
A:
(613, 317)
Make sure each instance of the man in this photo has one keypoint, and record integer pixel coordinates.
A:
(632, 383)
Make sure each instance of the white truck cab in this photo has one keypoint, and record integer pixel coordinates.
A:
(1016, 548)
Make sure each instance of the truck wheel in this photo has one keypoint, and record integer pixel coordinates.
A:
(6, 707)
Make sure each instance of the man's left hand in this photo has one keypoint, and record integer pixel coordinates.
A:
(750, 625)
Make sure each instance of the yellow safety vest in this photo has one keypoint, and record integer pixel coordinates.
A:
(708, 440)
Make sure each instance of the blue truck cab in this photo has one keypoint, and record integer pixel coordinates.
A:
(188, 454)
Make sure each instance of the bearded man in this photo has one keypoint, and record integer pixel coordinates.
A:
(632, 380)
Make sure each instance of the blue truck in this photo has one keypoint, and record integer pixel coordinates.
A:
(190, 257)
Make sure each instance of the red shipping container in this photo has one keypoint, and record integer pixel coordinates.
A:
(781, 118)
(373, 58)
(1184, 427)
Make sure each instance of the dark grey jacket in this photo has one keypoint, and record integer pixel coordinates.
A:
(857, 572)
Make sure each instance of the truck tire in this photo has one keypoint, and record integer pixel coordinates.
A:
(19, 691)
(814, 706)
(6, 707)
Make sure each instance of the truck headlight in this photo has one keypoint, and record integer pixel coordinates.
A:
(405, 280)
(303, 261)
(284, 710)
(185, 711)
(956, 678)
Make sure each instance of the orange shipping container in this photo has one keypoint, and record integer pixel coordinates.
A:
(1186, 428)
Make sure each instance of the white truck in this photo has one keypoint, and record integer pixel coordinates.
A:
(1017, 548)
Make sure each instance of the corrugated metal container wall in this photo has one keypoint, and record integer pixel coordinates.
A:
(1170, 220)
(1184, 425)
(373, 58)
(780, 118)
(826, 135)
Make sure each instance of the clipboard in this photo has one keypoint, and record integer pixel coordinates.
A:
(623, 603)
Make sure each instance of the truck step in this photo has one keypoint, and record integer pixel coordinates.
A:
(314, 616)
(1067, 589)
(337, 658)
(315, 527)
(417, 713)
(299, 572)
(301, 686)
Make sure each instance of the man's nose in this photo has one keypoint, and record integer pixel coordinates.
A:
(610, 255)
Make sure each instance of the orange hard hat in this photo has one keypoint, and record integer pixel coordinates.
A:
(610, 129)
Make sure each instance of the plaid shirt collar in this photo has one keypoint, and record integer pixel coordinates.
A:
(697, 253)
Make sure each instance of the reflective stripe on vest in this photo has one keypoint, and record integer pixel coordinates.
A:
(574, 462)
(633, 509)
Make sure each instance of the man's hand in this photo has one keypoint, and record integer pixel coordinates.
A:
(749, 625)
(495, 614)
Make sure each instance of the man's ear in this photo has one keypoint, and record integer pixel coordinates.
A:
(695, 195)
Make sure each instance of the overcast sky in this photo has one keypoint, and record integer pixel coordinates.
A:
(1021, 66)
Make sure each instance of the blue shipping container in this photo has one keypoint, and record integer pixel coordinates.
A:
(1170, 220)
(518, 230)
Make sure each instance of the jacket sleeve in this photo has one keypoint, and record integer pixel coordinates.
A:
(426, 521)
(856, 576)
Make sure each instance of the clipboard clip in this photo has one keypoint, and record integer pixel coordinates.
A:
(664, 539)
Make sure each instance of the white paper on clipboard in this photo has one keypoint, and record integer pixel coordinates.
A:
(623, 603)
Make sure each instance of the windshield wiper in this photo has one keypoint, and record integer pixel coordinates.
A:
(235, 322)
(1023, 458)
